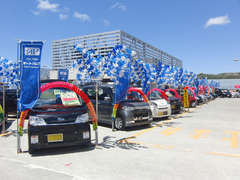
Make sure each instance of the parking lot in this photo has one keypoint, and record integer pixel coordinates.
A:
(199, 144)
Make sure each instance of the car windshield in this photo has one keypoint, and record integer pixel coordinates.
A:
(169, 94)
(58, 96)
(154, 95)
(134, 96)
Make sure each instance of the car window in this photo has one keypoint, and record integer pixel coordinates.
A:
(59, 96)
(169, 94)
(134, 96)
(155, 95)
(102, 93)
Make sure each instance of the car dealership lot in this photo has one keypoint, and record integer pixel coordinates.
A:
(200, 144)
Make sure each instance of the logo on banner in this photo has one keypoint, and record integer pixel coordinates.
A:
(28, 51)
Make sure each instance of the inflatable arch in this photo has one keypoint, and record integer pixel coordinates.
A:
(159, 90)
(190, 89)
(174, 91)
(140, 92)
(61, 84)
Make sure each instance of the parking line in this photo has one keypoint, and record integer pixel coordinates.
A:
(225, 154)
(233, 139)
(169, 131)
(201, 133)
(143, 131)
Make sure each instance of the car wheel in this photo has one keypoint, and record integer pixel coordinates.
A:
(194, 104)
(119, 123)
(31, 150)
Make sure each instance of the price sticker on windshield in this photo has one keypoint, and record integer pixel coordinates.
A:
(56, 91)
(69, 98)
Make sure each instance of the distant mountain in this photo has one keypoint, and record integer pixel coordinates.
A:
(235, 75)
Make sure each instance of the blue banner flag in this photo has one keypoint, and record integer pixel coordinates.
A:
(121, 87)
(63, 74)
(30, 56)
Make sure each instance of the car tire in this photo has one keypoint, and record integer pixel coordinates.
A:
(119, 123)
(194, 104)
(31, 150)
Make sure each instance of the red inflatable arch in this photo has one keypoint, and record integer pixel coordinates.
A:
(191, 89)
(61, 84)
(140, 92)
(174, 91)
(159, 90)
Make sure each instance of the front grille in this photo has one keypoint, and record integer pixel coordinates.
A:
(140, 115)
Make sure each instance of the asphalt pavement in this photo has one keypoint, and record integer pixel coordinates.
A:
(200, 144)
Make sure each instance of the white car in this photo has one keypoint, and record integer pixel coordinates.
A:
(159, 106)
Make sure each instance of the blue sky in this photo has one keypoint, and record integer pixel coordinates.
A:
(204, 34)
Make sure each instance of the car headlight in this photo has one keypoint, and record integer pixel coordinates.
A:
(36, 121)
(154, 104)
(82, 118)
(126, 108)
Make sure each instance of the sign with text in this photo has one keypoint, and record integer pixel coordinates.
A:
(185, 98)
(69, 98)
(30, 58)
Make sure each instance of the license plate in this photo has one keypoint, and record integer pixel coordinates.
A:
(173, 106)
(160, 113)
(55, 137)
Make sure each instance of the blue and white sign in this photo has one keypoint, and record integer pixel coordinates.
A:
(30, 56)
(63, 74)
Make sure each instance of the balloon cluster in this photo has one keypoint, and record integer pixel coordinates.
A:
(121, 60)
(8, 72)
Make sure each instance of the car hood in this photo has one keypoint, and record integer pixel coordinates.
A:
(135, 105)
(53, 115)
(160, 102)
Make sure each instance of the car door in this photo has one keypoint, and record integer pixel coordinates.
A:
(106, 104)
(91, 93)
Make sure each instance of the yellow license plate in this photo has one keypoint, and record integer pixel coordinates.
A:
(55, 137)
(160, 113)
(173, 107)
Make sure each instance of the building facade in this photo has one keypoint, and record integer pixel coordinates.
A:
(63, 52)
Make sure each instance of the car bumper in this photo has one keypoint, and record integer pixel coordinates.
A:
(132, 123)
(42, 137)
(159, 112)
(176, 108)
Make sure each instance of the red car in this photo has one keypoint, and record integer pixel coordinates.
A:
(191, 96)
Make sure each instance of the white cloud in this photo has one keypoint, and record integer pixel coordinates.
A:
(47, 6)
(106, 22)
(82, 17)
(119, 6)
(63, 16)
(220, 20)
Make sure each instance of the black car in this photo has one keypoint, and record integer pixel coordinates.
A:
(131, 112)
(59, 118)
(10, 101)
(176, 103)
(226, 93)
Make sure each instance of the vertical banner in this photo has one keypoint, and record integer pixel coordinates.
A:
(30, 58)
(185, 98)
(63, 75)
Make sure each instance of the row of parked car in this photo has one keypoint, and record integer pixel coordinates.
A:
(228, 93)
(61, 118)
